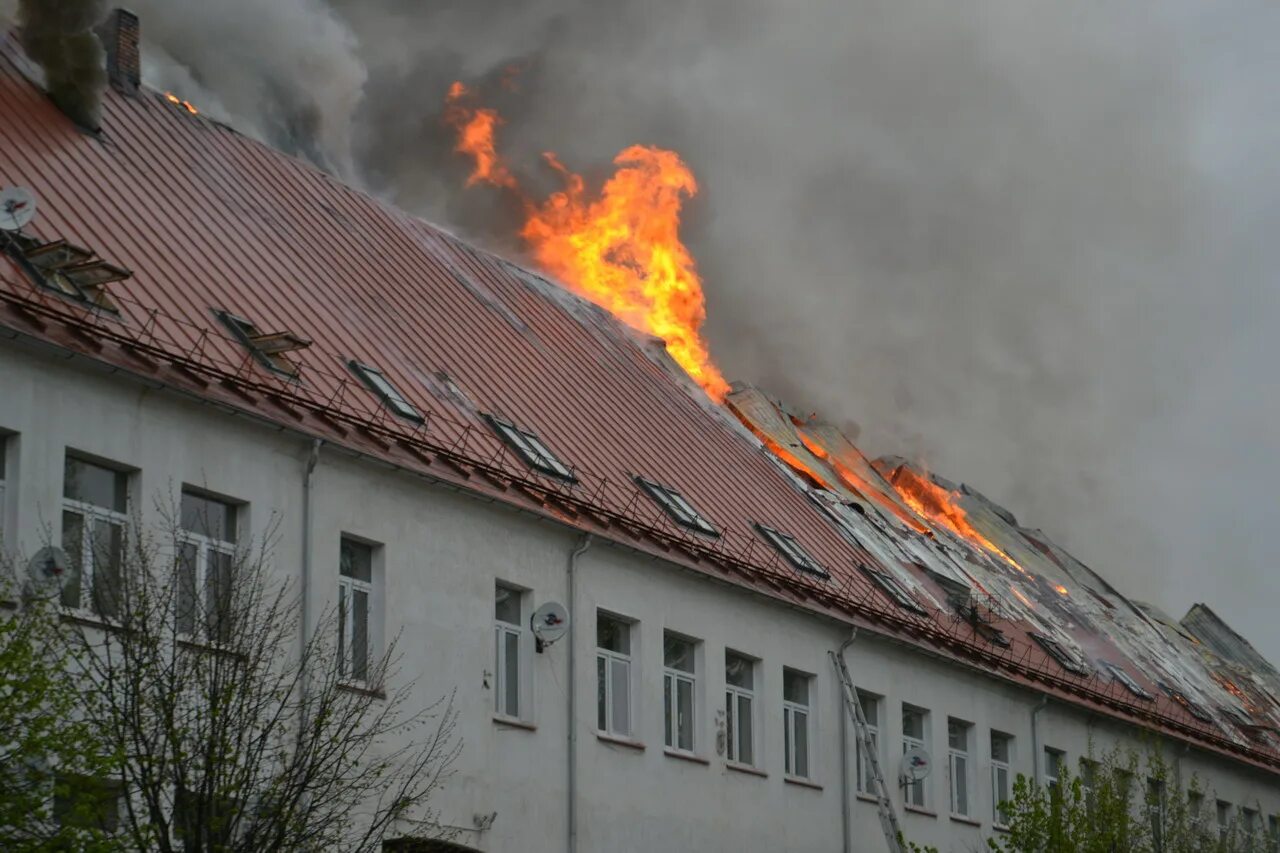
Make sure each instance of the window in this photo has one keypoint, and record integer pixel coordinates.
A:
(788, 547)
(1155, 812)
(508, 628)
(355, 600)
(380, 385)
(95, 499)
(1001, 790)
(1124, 678)
(870, 711)
(613, 675)
(675, 505)
(1054, 760)
(4, 505)
(1224, 820)
(1190, 707)
(1273, 832)
(958, 734)
(678, 674)
(1089, 783)
(531, 449)
(915, 729)
(268, 348)
(1059, 653)
(739, 706)
(206, 561)
(893, 588)
(1250, 825)
(795, 720)
(71, 271)
(1195, 811)
(84, 802)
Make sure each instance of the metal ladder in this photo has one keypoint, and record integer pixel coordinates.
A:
(888, 817)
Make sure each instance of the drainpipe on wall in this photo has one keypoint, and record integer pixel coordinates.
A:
(305, 590)
(583, 544)
(1035, 739)
(846, 824)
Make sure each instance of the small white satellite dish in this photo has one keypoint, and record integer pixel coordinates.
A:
(17, 208)
(549, 623)
(916, 764)
(48, 569)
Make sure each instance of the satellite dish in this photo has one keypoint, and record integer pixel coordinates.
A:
(48, 569)
(549, 623)
(17, 208)
(916, 764)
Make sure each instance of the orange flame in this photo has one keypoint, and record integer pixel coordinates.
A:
(186, 105)
(937, 504)
(858, 484)
(621, 249)
(1061, 590)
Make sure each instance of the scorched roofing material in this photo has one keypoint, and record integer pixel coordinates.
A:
(209, 221)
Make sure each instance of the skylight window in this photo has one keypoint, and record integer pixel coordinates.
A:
(531, 449)
(790, 548)
(380, 385)
(1191, 707)
(1126, 679)
(893, 588)
(1059, 653)
(675, 505)
(268, 348)
(69, 270)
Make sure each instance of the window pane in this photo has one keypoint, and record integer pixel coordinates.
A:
(208, 517)
(344, 630)
(730, 710)
(356, 560)
(801, 724)
(613, 634)
(218, 594)
(795, 687)
(94, 484)
(667, 679)
(677, 653)
(684, 713)
(999, 747)
(108, 553)
(870, 708)
(359, 634)
(913, 723)
(620, 696)
(602, 703)
(86, 803)
(73, 544)
(957, 735)
(738, 671)
(506, 606)
(185, 598)
(960, 784)
(511, 642)
(745, 753)
(786, 739)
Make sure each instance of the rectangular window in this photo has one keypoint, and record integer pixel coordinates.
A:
(531, 449)
(1273, 833)
(915, 731)
(739, 706)
(1089, 783)
(1054, 759)
(1155, 813)
(206, 561)
(1001, 779)
(795, 720)
(1250, 826)
(1059, 652)
(378, 383)
(678, 681)
(958, 735)
(355, 605)
(675, 505)
(789, 548)
(892, 588)
(1224, 820)
(95, 503)
(871, 712)
(1120, 675)
(1195, 811)
(84, 802)
(268, 348)
(508, 631)
(613, 675)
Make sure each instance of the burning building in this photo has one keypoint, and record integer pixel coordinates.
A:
(192, 310)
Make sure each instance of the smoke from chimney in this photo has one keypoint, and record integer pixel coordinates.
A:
(59, 36)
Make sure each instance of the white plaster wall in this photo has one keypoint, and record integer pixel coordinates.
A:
(442, 553)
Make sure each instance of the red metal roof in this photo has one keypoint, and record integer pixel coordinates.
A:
(208, 219)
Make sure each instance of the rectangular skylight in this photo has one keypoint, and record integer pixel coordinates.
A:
(791, 549)
(1059, 653)
(1191, 707)
(1126, 679)
(531, 449)
(893, 588)
(675, 505)
(268, 348)
(380, 385)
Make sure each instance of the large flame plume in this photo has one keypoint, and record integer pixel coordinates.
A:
(621, 247)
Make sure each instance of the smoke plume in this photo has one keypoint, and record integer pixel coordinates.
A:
(1031, 243)
(59, 36)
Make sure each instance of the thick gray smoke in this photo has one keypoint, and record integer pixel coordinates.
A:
(60, 37)
(1030, 243)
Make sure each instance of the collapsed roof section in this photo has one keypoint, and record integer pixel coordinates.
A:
(208, 220)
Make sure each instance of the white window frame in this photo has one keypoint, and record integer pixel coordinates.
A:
(501, 631)
(863, 783)
(790, 711)
(1001, 792)
(963, 758)
(734, 695)
(205, 545)
(909, 742)
(90, 514)
(794, 553)
(378, 383)
(613, 659)
(347, 589)
(534, 451)
(1060, 758)
(672, 679)
(677, 507)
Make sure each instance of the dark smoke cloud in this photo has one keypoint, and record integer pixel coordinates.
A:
(1032, 243)
(58, 34)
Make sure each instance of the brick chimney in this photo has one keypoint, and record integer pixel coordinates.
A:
(120, 36)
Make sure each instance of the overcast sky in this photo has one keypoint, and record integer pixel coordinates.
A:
(1032, 243)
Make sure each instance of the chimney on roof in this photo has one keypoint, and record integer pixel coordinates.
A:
(120, 35)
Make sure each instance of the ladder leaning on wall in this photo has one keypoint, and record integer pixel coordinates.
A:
(867, 751)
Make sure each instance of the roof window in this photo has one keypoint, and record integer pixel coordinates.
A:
(1191, 707)
(790, 548)
(268, 348)
(380, 385)
(1059, 653)
(675, 505)
(893, 588)
(531, 449)
(69, 270)
(1126, 679)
